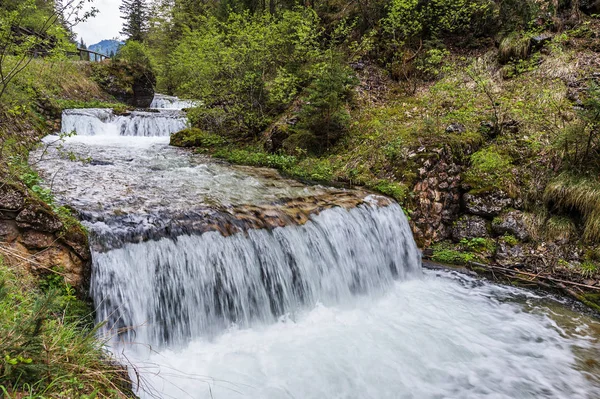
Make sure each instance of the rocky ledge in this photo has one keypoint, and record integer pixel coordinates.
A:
(111, 231)
(34, 236)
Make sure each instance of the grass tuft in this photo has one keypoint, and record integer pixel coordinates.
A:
(576, 193)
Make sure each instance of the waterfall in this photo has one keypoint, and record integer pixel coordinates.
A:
(98, 121)
(162, 101)
(179, 288)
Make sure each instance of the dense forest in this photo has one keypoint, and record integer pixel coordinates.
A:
(480, 117)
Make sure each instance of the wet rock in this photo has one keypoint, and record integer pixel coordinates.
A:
(456, 128)
(99, 162)
(469, 226)
(489, 204)
(11, 198)
(37, 217)
(511, 223)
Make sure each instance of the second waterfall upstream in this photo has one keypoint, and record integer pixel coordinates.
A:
(220, 281)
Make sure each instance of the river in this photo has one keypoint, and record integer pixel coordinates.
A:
(217, 281)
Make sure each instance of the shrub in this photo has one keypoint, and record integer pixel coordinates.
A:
(135, 53)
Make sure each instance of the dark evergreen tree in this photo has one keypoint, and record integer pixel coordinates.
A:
(135, 14)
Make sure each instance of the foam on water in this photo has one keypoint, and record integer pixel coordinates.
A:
(162, 101)
(192, 286)
(103, 122)
(443, 336)
(335, 308)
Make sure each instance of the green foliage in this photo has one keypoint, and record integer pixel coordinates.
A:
(249, 68)
(135, 14)
(50, 21)
(45, 350)
(588, 268)
(579, 143)
(135, 53)
(323, 114)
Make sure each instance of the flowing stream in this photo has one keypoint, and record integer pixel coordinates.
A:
(219, 281)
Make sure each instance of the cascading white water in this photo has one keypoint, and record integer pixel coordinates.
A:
(98, 121)
(335, 308)
(162, 101)
(192, 286)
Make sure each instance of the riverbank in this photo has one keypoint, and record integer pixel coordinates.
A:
(479, 157)
(49, 346)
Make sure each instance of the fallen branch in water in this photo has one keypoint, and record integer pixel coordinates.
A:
(546, 282)
(535, 276)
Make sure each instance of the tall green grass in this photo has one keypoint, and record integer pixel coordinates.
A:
(580, 193)
(48, 344)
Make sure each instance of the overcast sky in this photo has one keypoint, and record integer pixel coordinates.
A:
(106, 24)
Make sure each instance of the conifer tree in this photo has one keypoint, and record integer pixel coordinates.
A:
(135, 14)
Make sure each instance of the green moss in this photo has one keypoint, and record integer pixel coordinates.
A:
(490, 169)
(452, 257)
(398, 191)
(195, 137)
(510, 239)
(77, 104)
(478, 244)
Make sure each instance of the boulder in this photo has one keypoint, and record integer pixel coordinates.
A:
(488, 204)
(11, 198)
(132, 84)
(37, 217)
(469, 227)
(511, 223)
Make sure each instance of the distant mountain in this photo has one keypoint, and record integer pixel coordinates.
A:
(106, 47)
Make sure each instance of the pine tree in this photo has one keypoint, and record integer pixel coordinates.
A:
(135, 14)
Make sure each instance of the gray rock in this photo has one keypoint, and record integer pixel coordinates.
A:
(469, 226)
(511, 223)
(489, 204)
(456, 128)
(507, 255)
(11, 199)
(541, 40)
(38, 218)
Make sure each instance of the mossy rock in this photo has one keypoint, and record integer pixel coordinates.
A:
(130, 84)
(195, 137)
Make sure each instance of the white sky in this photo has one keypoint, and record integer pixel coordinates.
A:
(106, 24)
